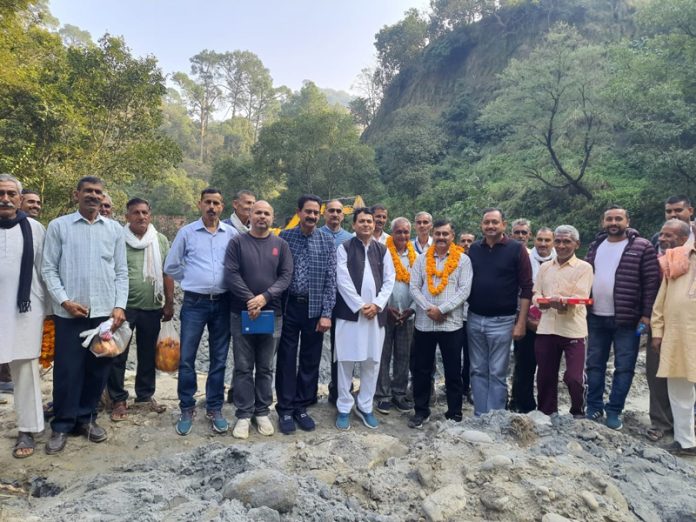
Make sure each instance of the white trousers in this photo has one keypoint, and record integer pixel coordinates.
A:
(681, 398)
(369, 372)
(27, 395)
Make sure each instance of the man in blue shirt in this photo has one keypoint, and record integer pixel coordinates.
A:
(333, 217)
(196, 260)
(311, 298)
(86, 274)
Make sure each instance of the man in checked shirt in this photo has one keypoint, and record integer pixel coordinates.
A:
(311, 298)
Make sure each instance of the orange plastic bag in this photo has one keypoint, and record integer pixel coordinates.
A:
(168, 349)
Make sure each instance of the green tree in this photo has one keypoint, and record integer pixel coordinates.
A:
(314, 147)
(550, 111)
(398, 45)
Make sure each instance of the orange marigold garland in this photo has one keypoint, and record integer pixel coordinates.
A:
(431, 270)
(402, 273)
(48, 343)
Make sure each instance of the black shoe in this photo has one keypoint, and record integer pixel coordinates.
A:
(457, 417)
(384, 407)
(402, 404)
(286, 424)
(304, 421)
(416, 422)
(56, 443)
(676, 449)
(92, 431)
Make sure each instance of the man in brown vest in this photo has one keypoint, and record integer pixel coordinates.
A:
(365, 279)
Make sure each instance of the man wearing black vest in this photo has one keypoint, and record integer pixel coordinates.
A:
(365, 278)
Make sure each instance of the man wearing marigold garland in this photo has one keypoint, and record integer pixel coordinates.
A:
(440, 285)
(22, 310)
(365, 279)
(399, 329)
(502, 274)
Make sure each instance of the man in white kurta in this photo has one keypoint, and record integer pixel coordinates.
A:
(21, 327)
(361, 316)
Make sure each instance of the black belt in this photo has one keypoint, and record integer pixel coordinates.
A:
(209, 297)
(302, 299)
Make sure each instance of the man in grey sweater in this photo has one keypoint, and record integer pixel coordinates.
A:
(258, 269)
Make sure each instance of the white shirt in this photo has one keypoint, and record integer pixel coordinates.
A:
(606, 262)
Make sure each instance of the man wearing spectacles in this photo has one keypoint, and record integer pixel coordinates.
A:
(333, 217)
(522, 232)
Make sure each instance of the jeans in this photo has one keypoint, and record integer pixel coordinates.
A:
(424, 358)
(197, 313)
(397, 346)
(146, 324)
(78, 376)
(522, 399)
(296, 381)
(603, 331)
(489, 354)
(253, 368)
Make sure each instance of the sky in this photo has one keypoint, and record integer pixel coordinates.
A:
(325, 41)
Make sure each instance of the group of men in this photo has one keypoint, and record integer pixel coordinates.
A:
(387, 301)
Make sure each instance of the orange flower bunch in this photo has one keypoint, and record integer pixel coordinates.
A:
(48, 343)
(402, 273)
(431, 270)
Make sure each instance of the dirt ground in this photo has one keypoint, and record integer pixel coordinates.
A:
(501, 466)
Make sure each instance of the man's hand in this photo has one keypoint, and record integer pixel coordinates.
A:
(435, 314)
(254, 306)
(118, 315)
(167, 311)
(646, 321)
(323, 324)
(370, 311)
(405, 315)
(75, 309)
(393, 315)
(656, 344)
(557, 303)
(519, 331)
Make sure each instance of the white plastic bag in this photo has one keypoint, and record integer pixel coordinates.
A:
(102, 342)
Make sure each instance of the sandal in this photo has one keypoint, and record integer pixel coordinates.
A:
(119, 411)
(25, 441)
(654, 434)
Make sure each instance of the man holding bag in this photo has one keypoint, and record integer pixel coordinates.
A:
(85, 271)
(150, 298)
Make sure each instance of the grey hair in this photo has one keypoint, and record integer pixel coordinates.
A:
(570, 230)
(12, 179)
(683, 228)
(424, 213)
(522, 222)
(398, 220)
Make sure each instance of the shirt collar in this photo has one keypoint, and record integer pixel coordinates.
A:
(222, 227)
(79, 217)
(571, 262)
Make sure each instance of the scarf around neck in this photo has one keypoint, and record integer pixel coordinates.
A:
(537, 260)
(237, 223)
(152, 262)
(27, 261)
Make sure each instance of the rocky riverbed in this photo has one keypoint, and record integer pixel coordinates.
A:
(501, 466)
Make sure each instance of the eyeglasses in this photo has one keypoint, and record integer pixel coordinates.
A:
(520, 232)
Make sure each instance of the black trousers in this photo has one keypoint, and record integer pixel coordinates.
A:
(522, 398)
(450, 344)
(296, 381)
(78, 376)
(466, 378)
(146, 325)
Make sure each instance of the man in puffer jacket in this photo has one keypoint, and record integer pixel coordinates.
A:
(627, 277)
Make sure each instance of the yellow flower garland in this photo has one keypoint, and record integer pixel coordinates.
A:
(431, 270)
(402, 274)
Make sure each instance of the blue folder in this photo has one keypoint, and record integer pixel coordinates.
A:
(263, 324)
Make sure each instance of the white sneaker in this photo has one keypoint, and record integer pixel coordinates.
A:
(264, 425)
(241, 429)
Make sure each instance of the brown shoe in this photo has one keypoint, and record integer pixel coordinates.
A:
(151, 405)
(92, 431)
(119, 411)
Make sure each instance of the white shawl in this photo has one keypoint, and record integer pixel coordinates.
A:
(152, 265)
